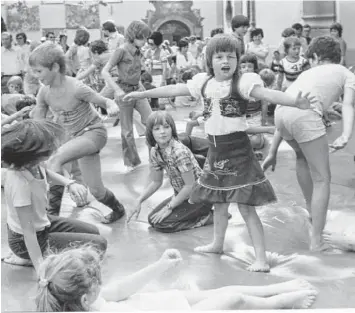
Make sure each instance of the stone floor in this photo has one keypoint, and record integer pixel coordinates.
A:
(135, 245)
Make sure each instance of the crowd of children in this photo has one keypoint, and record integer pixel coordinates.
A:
(53, 141)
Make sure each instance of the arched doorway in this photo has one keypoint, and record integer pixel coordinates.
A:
(174, 30)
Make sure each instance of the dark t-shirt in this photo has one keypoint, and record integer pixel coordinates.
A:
(154, 102)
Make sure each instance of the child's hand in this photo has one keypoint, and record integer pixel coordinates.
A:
(112, 108)
(270, 160)
(339, 143)
(172, 257)
(119, 94)
(135, 211)
(78, 193)
(304, 102)
(132, 95)
(25, 110)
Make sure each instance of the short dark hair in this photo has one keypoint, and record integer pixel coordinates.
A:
(25, 101)
(256, 32)
(159, 118)
(338, 27)
(157, 38)
(109, 26)
(218, 30)
(146, 77)
(306, 26)
(49, 33)
(287, 32)
(23, 35)
(276, 52)
(98, 46)
(291, 41)
(238, 21)
(297, 26)
(326, 48)
(82, 37)
(250, 58)
(183, 43)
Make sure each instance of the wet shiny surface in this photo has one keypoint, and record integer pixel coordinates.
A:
(285, 223)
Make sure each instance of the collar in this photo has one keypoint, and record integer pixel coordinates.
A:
(168, 148)
(132, 49)
(236, 35)
(10, 49)
(113, 35)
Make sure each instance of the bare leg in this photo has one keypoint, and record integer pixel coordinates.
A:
(303, 174)
(256, 232)
(317, 156)
(340, 241)
(220, 222)
(230, 301)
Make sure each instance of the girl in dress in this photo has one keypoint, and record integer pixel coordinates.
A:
(70, 102)
(231, 172)
(71, 281)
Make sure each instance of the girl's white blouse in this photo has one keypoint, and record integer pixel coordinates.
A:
(217, 124)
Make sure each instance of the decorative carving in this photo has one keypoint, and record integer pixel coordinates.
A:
(23, 17)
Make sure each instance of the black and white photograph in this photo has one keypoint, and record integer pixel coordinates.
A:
(177, 155)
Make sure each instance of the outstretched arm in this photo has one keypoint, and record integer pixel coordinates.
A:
(161, 92)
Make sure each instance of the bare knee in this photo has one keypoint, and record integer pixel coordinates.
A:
(246, 210)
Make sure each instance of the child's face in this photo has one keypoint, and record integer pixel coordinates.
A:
(277, 56)
(294, 51)
(224, 64)
(162, 134)
(44, 74)
(139, 42)
(242, 30)
(334, 33)
(247, 68)
(14, 88)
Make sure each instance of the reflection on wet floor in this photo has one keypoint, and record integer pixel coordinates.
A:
(286, 226)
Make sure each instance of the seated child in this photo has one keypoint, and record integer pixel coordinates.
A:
(292, 65)
(31, 231)
(58, 292)
(8, 100)
(147, 81)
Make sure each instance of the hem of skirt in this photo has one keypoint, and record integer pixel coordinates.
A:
(232, 187)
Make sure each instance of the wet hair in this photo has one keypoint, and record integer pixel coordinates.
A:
(159, 118)
(47, 54)
(219, 43)
(268, 76)
(250, 58)
(146, 77)
(65, 277)
(82, 37)
(288, 32)
(326, 48)
(291, 41)
(28, 141)
(26, 101)
(215, 31)
(109, 26)
(338, 27)
(239, 21)
(137, 30)
(98, 46)
(157, 38)
(297, 26)
(23, 35)
(50, 33)
(183, 43)
(15, 80)
(256, 32)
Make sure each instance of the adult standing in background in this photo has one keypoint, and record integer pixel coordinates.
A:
(257, 47)
(115, 39)
(10, 61)
(24, 50)
(336, 31)
(193, 47)
(63, 42)
(240, 25)
(307, 32)
(50, 36)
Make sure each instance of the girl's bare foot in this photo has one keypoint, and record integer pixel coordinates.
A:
(339, 241)
(259, 266)
(211, 248)
(15, 260)
(302, 299)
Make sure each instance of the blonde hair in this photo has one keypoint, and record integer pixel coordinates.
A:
(47, 54)
(15, 80)
(65, 277)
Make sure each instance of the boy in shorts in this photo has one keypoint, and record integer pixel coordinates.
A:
(305, 131)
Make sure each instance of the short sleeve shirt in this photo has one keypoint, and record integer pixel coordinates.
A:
(175, 159)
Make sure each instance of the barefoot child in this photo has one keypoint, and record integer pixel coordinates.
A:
(71, 281)
(305, 132)
(31, 232)
(231, 172)
(71, 101)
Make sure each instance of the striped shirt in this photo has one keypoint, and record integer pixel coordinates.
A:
(293, 69)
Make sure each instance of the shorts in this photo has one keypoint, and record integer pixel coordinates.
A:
(299, 125)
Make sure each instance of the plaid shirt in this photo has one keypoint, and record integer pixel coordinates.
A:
(175, 159)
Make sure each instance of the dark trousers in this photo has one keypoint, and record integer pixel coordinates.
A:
(61, 234)
(198, 146)
(184, 216)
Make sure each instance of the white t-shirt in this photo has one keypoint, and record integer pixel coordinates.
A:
(22, 189)
(326, 82)
(217, 124)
